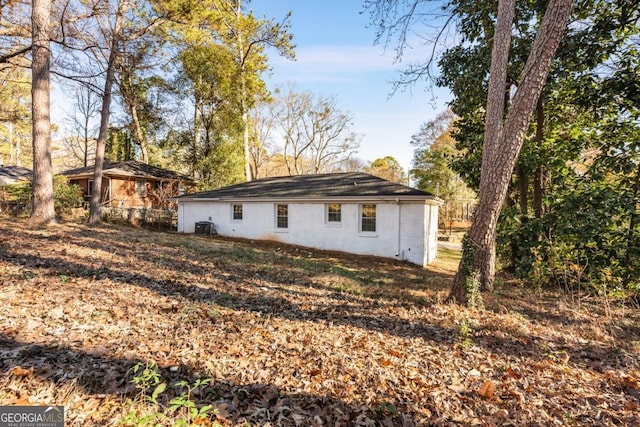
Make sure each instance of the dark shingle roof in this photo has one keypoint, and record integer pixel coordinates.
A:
(14, 174)
(351, 184)
(129, 168)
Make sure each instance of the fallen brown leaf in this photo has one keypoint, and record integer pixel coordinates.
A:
(486, 390)
(19, 371)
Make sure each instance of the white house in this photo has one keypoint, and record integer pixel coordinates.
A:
(349, 212)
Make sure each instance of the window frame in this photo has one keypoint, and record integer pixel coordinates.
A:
(338, 214)
(368, 219)
(278, 216)
(237, 215)
(141, 190)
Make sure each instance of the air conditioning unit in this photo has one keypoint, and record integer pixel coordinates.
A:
(205, 227)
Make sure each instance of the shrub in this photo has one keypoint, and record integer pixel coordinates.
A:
(65, 196)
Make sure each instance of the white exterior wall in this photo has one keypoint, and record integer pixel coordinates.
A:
(404, 231)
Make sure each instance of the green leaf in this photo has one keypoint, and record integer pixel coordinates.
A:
(159, 389)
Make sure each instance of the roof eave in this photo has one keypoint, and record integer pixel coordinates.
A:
(431, 200)
(112, 174)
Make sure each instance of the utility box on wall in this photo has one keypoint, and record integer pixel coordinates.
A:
(205, 227)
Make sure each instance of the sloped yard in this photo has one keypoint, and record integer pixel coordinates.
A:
(267, 334)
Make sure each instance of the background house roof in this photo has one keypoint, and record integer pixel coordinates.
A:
(14, 174)
(130, 168)
(350, 184)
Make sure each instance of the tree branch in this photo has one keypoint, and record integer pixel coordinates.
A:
(6, 57)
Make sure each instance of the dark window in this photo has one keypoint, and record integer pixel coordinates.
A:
(282, 219)
(368, 218)
(334, 212)
(237, 212)
(141, 187)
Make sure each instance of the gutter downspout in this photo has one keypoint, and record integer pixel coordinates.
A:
(399, 224)
(428, 237)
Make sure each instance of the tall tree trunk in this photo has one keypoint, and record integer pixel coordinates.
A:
(523, 202)
(197, 129)
(96, 195)
(245, 136)
(86, 144)
(142, 140)
(85, 128)
(127, 90)
(243, 93)
(632, 242)
(43, 209)
(502, 144)
(538, 182)
(477, 267)
(523, 189)
(15, 152)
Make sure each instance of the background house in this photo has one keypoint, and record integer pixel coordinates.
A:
(10, 175)
(350, 212)
(131, 184)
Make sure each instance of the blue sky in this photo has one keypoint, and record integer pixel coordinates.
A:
(336, 57)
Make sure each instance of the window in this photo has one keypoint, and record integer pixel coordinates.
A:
(334, 212)
(237, 212)
(282, 216)
(141, 187)
(89, 187)
(368, 222)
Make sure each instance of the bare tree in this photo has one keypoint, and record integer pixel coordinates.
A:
(43, 209)
(352, 164)
(316, 135)
(262, 123)
(82, 143)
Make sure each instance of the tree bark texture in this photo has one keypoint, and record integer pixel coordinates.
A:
(538, 183)
(501, 149)
(496, 95)
(142, 140)
(96, 195)
(43, 209)
(127, 90)
(523, 189)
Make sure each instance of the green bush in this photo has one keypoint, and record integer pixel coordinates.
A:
(588, 240)
(65, 196)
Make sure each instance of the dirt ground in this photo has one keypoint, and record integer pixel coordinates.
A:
(125, 326)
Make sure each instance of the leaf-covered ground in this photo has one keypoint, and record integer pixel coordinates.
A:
(293, 337)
